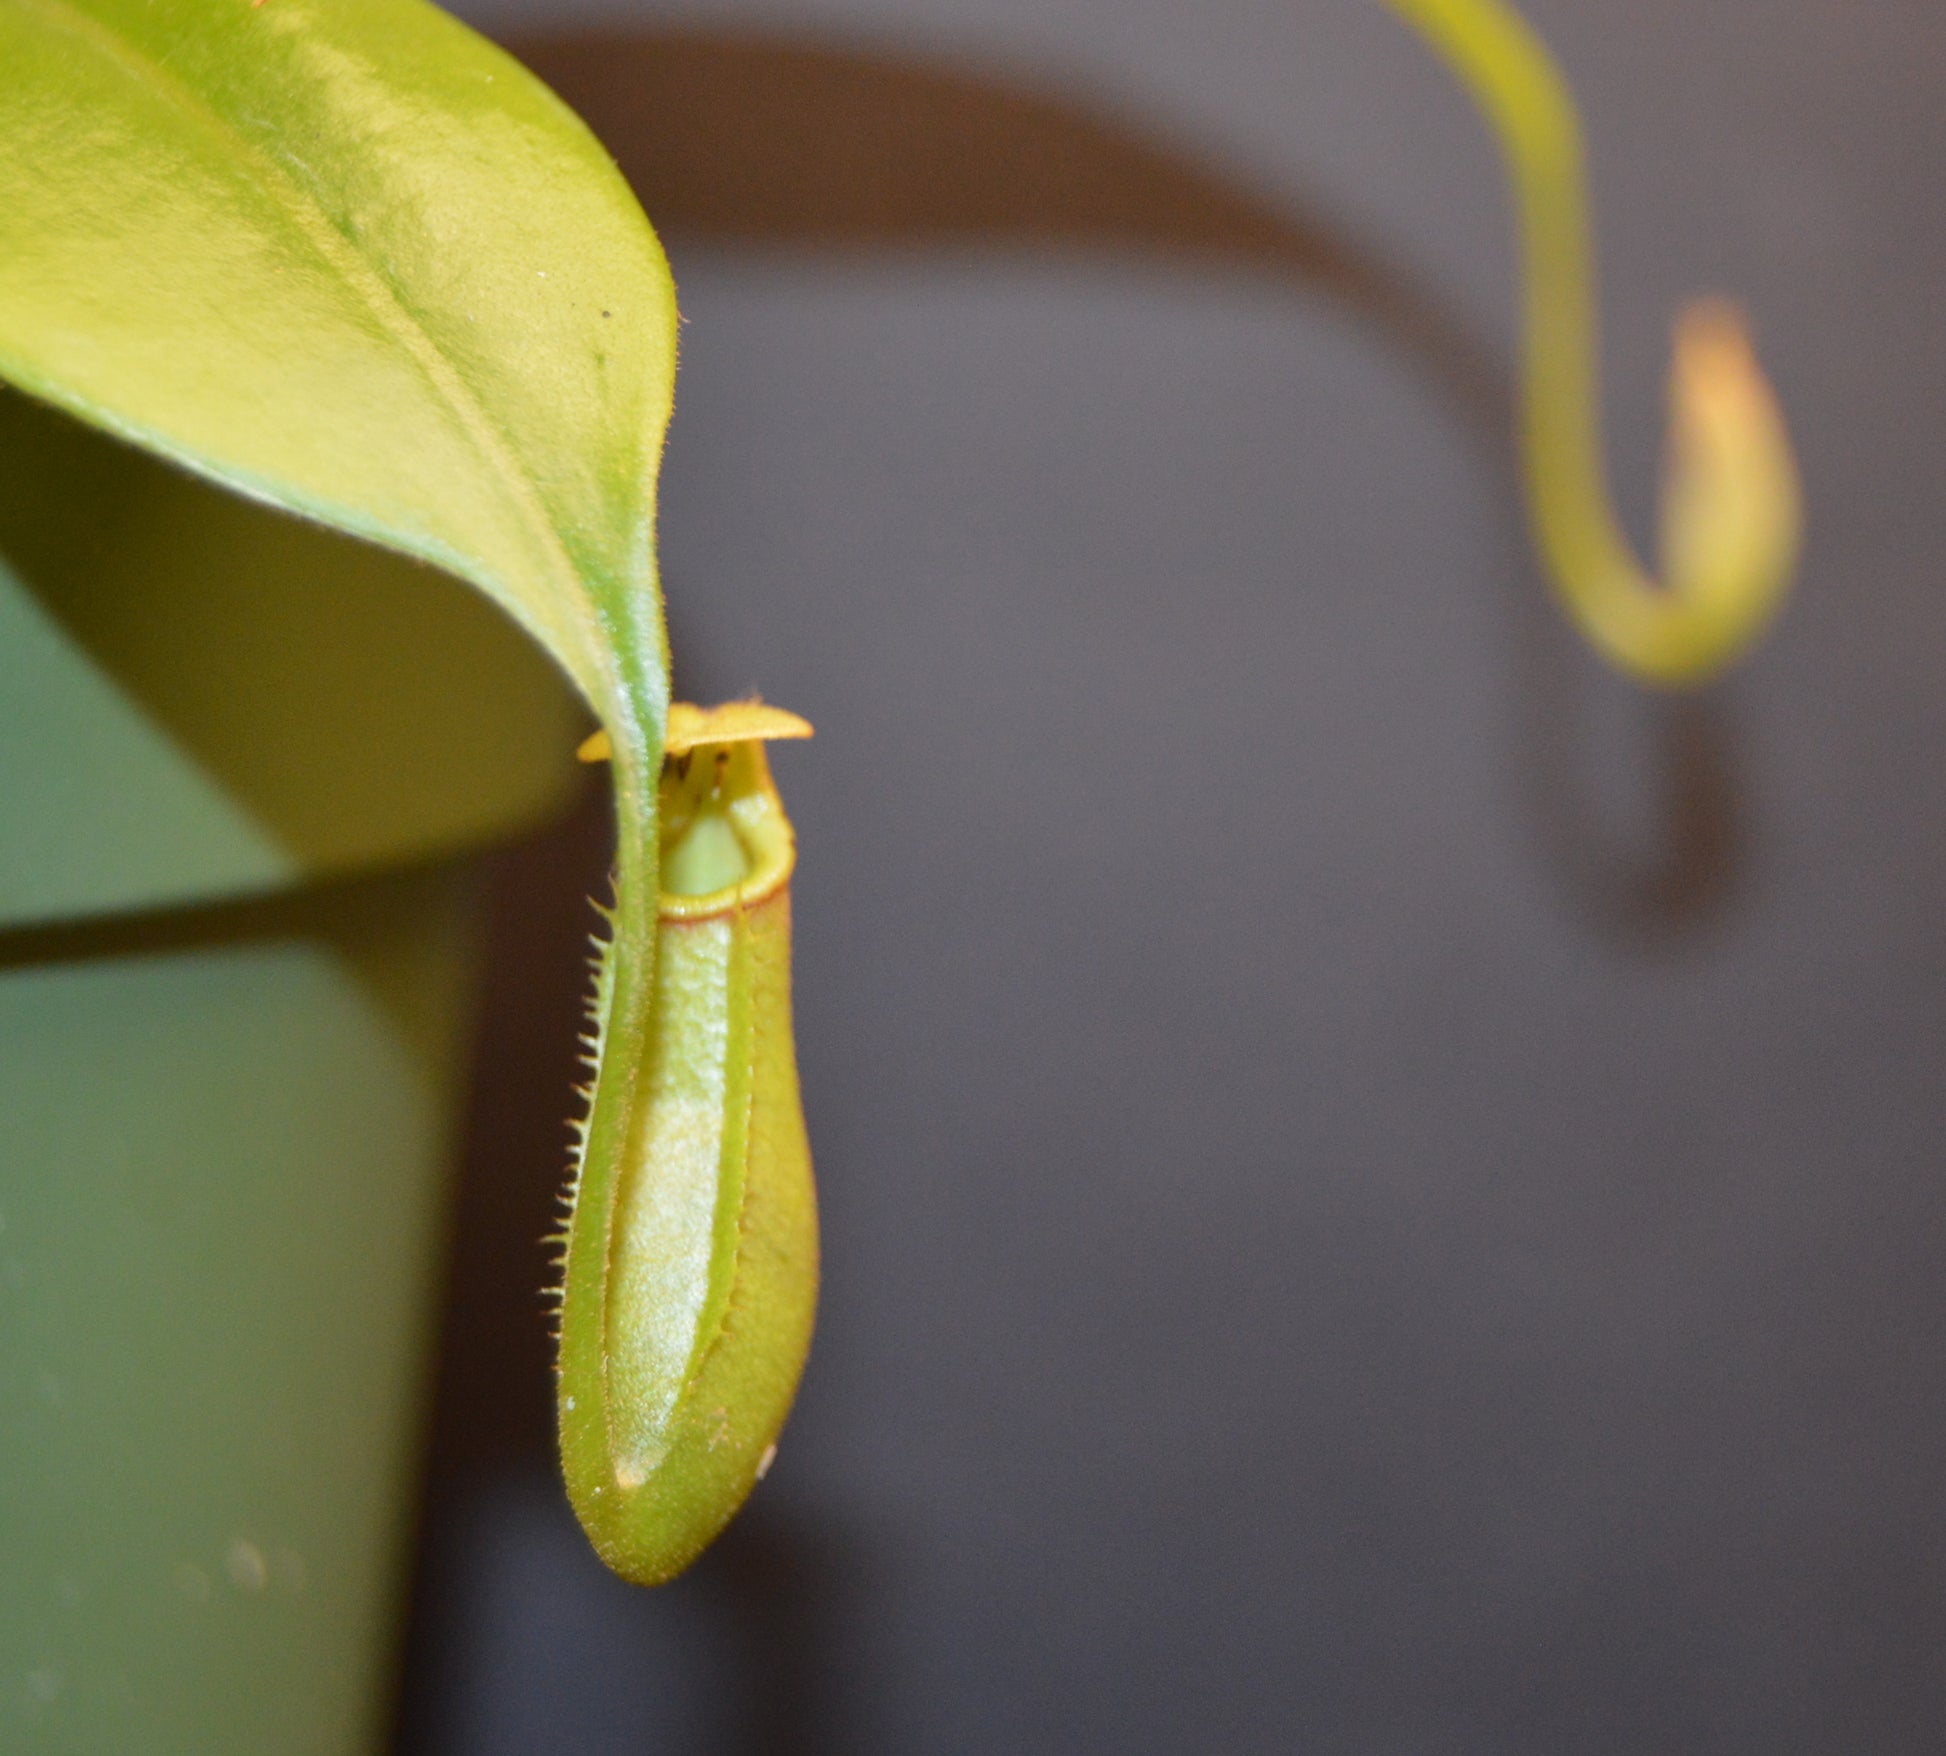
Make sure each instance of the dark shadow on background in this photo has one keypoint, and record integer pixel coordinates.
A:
(770, 1594)
(789, 146)
(371, 925)
(786, 147)
(1681, 870)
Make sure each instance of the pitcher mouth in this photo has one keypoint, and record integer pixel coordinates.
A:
(726, 843)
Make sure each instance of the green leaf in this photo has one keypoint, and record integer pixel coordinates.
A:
(351, 259)
(347, 258)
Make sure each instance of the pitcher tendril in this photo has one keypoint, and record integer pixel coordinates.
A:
(1730, 512)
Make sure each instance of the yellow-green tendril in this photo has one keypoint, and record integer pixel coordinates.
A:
(1730, 513)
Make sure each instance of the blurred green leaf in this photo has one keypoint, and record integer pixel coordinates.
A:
(202, 698)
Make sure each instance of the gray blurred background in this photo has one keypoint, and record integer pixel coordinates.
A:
(1382, 1192)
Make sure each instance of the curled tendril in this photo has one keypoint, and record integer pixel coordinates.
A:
(1730, 510)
